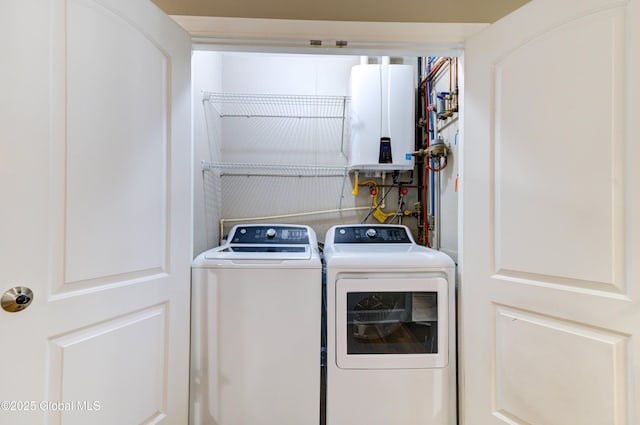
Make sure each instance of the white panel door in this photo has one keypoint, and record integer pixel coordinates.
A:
(95, 214)
(550, 314)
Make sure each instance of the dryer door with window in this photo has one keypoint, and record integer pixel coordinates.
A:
(391, 323)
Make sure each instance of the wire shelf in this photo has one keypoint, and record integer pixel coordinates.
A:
(251, 169)
(277, 106)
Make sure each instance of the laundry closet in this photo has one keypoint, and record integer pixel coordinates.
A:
(357, 148)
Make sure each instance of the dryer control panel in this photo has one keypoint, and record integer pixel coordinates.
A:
(371, 234)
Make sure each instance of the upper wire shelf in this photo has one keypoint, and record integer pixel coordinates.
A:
(277, 106)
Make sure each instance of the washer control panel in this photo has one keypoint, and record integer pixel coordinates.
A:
(265, 235)
(371, 234)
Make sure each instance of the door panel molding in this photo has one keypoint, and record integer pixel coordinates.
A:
(585, 287)
(89, 205)
(532, 350)
(563, 204)
(82, 363)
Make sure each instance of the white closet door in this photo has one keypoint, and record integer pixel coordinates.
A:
(550, 311)
(95, 217)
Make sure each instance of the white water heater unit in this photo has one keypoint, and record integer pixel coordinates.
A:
(382, 117)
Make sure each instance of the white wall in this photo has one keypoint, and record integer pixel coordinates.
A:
(206, 76)
(445, 181)
(268, 73)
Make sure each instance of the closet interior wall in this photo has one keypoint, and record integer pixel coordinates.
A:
(441, 125)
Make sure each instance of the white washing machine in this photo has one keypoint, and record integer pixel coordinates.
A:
(391, 352)
(255, 335)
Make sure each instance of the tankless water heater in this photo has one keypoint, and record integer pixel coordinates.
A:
(382, 117)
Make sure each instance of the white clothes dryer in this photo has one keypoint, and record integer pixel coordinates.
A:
(256, 318)
(391, 352)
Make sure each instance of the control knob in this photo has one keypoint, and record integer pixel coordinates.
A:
(271, 233)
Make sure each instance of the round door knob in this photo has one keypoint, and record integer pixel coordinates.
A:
(271, 233)
(16, 299)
